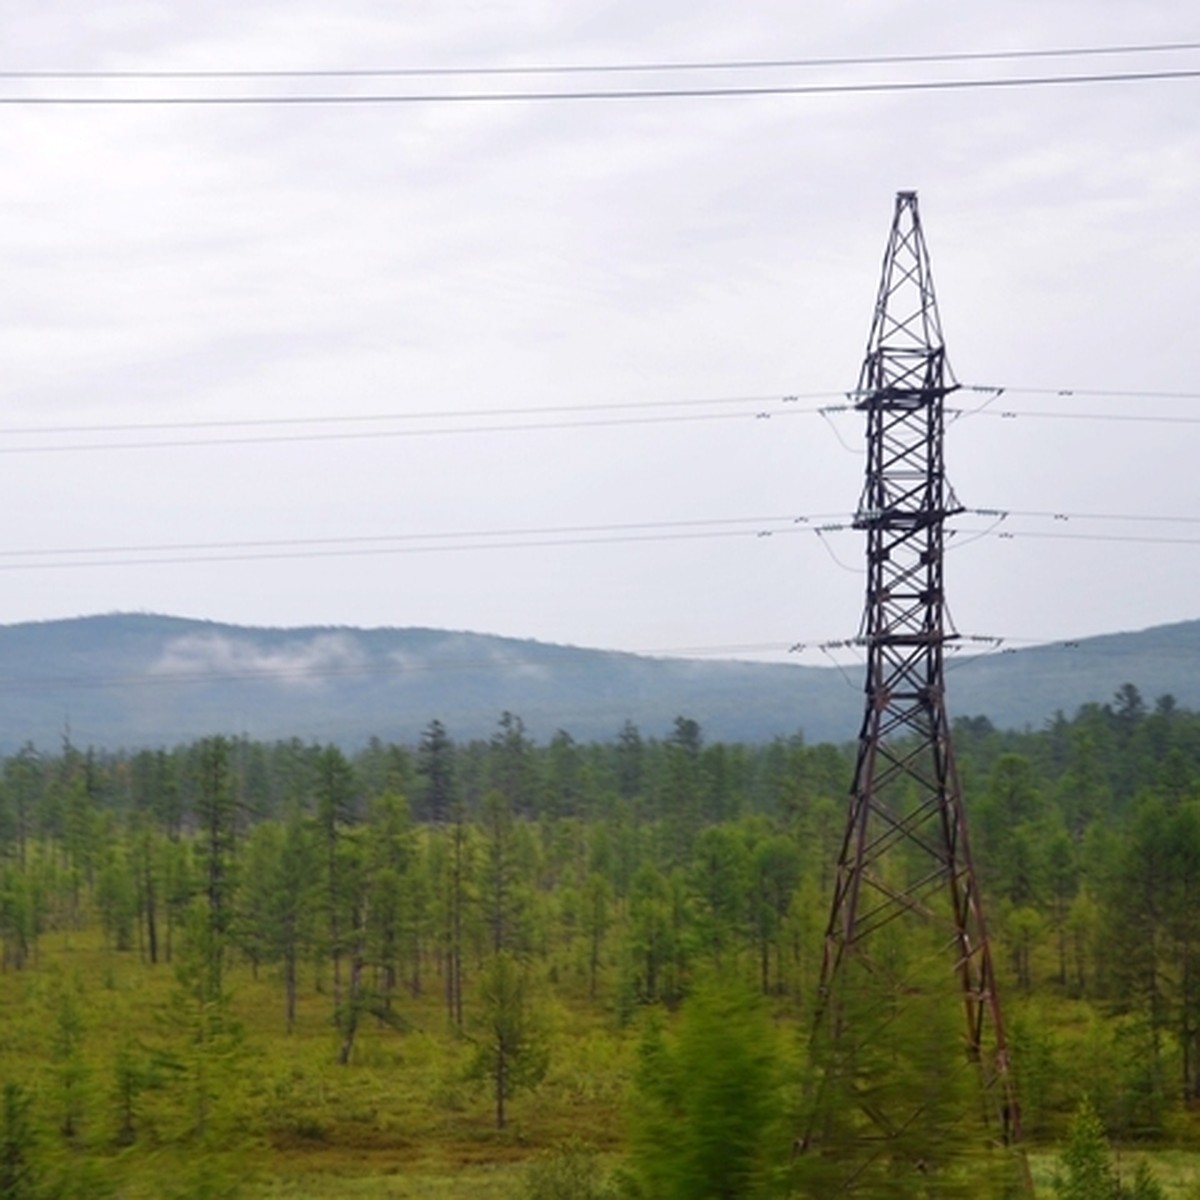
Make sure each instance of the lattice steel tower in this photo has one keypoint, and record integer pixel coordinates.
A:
(906, 953)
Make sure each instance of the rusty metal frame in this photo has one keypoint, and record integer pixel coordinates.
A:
(906, 797)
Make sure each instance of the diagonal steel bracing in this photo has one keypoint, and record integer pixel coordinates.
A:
(905, 857)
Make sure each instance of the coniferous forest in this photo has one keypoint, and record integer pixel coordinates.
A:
(516, 969)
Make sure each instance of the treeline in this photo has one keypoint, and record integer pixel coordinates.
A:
(618, 873)
(405, 863)
(1087, 836)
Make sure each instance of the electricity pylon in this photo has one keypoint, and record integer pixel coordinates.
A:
(904, 1085)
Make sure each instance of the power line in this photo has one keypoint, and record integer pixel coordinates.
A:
(1131, 538)
(1063, 515)
(200, 675)
(573, 660)
(345, 99)
(753, 64)
(380, 434)
(359, 547)
(553, 530)
(1061, 415)
(543, 537)
(1117, 393)
(566, 658)
(790, 400)
(514, 420)
(412, 415)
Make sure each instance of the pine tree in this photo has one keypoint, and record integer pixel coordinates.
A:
(205, 1039)
(501, 894)
(130, 1078)
(216, 814)
(67, 1050)
(1087, 1171)
(19, 1176)
(708, 1114)
(435, 764)
(335, 796)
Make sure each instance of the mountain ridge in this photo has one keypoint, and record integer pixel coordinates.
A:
(133, 680)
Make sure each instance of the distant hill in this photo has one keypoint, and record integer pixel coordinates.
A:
(131, 681)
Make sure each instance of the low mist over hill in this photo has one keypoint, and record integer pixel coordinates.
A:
(140, 680)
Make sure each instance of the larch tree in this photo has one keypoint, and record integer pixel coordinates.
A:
(334, 784)
(708, 1115)
(215, 806)
(510, 1033)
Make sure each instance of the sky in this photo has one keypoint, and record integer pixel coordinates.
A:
(555, 368)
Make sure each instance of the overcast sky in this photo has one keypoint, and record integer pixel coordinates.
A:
(529, 291)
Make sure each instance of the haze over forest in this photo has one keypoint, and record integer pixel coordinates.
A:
(136, 680)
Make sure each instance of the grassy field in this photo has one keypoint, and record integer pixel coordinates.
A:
(284, 1120)
(401, 1119)
(1178, 1171)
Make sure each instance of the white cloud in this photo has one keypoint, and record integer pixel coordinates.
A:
(301, 663)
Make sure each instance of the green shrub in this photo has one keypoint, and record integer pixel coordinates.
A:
(571, 1174)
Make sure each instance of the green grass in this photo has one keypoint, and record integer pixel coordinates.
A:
(486, 1183)
(399, 1121)
(1178, 1171)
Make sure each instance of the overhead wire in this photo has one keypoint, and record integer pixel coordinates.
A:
(351, 99)
(518, 419)
(176, 674)
(1063, 415)
(549, 537)
(1110, 538)
(403, 543)
(401, 415)
(1117, 393)
(1068, 515)
(180, 673)
(959, 543)
(492, 427)
(615, 67)
(368, 435)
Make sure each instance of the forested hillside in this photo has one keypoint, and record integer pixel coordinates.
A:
(139, 680)
(276, 968)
